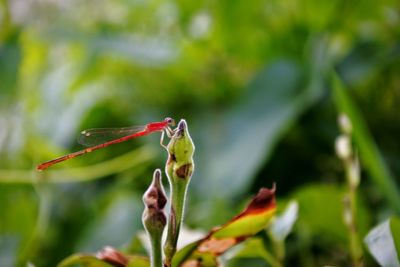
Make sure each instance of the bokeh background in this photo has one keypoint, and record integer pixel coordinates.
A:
(252, 79)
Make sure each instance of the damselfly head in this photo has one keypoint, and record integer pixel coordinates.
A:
(170, 121)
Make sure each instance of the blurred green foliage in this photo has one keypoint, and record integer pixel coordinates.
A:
(252, 78)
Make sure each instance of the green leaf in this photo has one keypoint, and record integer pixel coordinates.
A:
(83, 260)
(369, 152)
(10, 59)
(19, 219)
(245, 226)
(183, 253)
(241, 138)
(138, 261)
(395, 228)
(118, 221)
(252, 220)
(252, 248)
(107, 257)
(383, 243)
(321, 213)
(255, 248)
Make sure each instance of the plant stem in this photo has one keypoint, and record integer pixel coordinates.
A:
(279, 248)
(137, 159)
(179, 169)
(156, 251)
(350, 206)
(178, 192)
(371, 157)
(268, 257)
(154, 219)
(351, 164)
(6, 27)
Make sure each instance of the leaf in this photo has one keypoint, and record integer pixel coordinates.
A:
(395, 228)
(150, 52)
(118, 221)
(322, 200)
(240, 139)
(107, 257)
(138, 261)
(283, 224)
(383, 243)
(19, 219)
(83, 260)
(369, 152)
(255, 248)
(252, 248)
(250, 221)
(10, 60)
(321, 213)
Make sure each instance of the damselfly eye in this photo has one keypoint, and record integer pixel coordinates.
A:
(170, 121)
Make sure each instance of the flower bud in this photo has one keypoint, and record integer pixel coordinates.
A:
(180, 159)
(343, 147)
(179, 169)
(154, 219)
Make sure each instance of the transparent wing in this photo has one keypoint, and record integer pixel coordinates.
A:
(96, 136)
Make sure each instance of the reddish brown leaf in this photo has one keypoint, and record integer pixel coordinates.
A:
(251, 220)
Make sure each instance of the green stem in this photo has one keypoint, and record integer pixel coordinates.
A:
(156, 251)
(179, 169)
(270, 259)
(46, 195)
(154, 219)
(279, 248)
(351, 210)
(370, 155)
(6, 27)
(351, 164)
(178, 193)
(136, 158)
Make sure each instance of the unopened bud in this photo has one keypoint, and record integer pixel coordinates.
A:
(179, 169)
(154, 199)
(180, 149)
(343, 147)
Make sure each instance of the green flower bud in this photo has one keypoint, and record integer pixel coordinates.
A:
(180, 149)
(179, 169)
